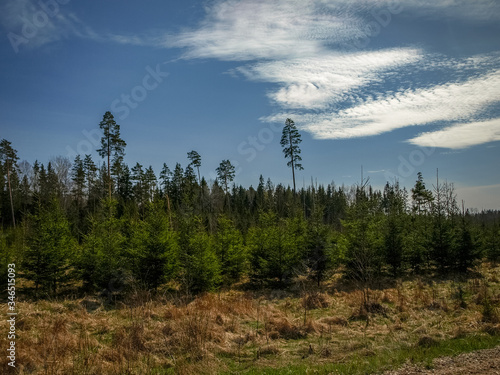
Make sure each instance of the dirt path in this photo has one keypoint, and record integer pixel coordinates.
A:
(481, 362)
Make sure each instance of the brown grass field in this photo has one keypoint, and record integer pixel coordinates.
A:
(336, 329)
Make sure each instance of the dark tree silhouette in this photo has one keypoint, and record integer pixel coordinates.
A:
(225, 174)
(195, 161)
(9, 158)
(111, 143)
(290, 140)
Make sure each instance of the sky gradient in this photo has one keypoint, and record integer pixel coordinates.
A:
(395, 87)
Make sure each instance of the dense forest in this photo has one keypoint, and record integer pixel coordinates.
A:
(92, 226)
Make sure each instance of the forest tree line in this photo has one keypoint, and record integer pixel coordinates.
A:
(84, 223)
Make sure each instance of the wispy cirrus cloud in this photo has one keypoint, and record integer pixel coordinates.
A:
(240, 30)
(335, 93)
(250, 30)
(36, 25)
(33, 24)
(236, 30)
(446, 102)
(331, 91)
(321, 81)
(459, 136)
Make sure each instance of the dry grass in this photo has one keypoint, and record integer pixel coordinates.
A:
(234, 330)
(315, 300)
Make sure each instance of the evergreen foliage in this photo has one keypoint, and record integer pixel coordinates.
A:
(230, 250)
(154, 248)
(50, 246)
(111, 144)
(179, 231)
(200, 267)
(290, 140)
(225, 174)
(8, 160)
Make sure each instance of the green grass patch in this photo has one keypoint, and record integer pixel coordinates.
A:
(383, 360)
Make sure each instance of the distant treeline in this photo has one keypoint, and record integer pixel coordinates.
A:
(70, 226)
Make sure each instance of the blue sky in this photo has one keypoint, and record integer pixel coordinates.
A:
(394, 86)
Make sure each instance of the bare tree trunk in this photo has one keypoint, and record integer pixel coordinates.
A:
(169, 212)
(293, 167)
(109, 171)
(10, 193)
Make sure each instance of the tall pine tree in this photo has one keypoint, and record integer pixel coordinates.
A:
(290, 140)
(111, 143)
(9, 158)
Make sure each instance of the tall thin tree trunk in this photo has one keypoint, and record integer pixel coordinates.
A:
(293, 167)
(10, 193)
(201, 189)
(169, 212)
(109, 171)
(226, 197)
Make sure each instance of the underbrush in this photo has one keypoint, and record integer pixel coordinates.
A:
(328, 330)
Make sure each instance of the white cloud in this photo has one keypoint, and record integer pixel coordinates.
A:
(291, 43)
(460, 136)
(321, 81)
(296, 44)
(32, 24)
(239, 30)
(248, 30)
(135, 40)
(448, 102)
(35, 25)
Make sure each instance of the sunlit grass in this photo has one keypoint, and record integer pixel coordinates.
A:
(326, 331)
